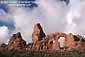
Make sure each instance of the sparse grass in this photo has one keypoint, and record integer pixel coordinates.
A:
(73, 53)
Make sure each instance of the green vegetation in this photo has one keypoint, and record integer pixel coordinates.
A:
(9, 54)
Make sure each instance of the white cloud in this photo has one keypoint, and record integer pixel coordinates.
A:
(24, 21)
(4, 16)
(46, 13)
(3, 34)
(54, 16)
(74, 17)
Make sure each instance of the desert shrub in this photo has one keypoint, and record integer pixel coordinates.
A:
(9, 54)
(73, 53)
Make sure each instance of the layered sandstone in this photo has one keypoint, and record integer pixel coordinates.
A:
(16, 42)
(50, 42)
(71, 41)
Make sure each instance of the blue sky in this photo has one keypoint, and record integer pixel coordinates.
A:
(54, 16)
(6, 21)
(10, 23)
(7, 24)
(66, 1)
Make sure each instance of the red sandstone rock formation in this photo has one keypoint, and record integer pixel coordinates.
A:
(42, 42)
(70, 41)
(16, 42)
(3, 47)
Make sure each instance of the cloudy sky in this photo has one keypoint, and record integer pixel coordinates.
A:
(54, 16)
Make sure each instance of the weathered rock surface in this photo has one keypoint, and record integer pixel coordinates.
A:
(71, 42)
(3, 47)
(50, 42)
(16, 42)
